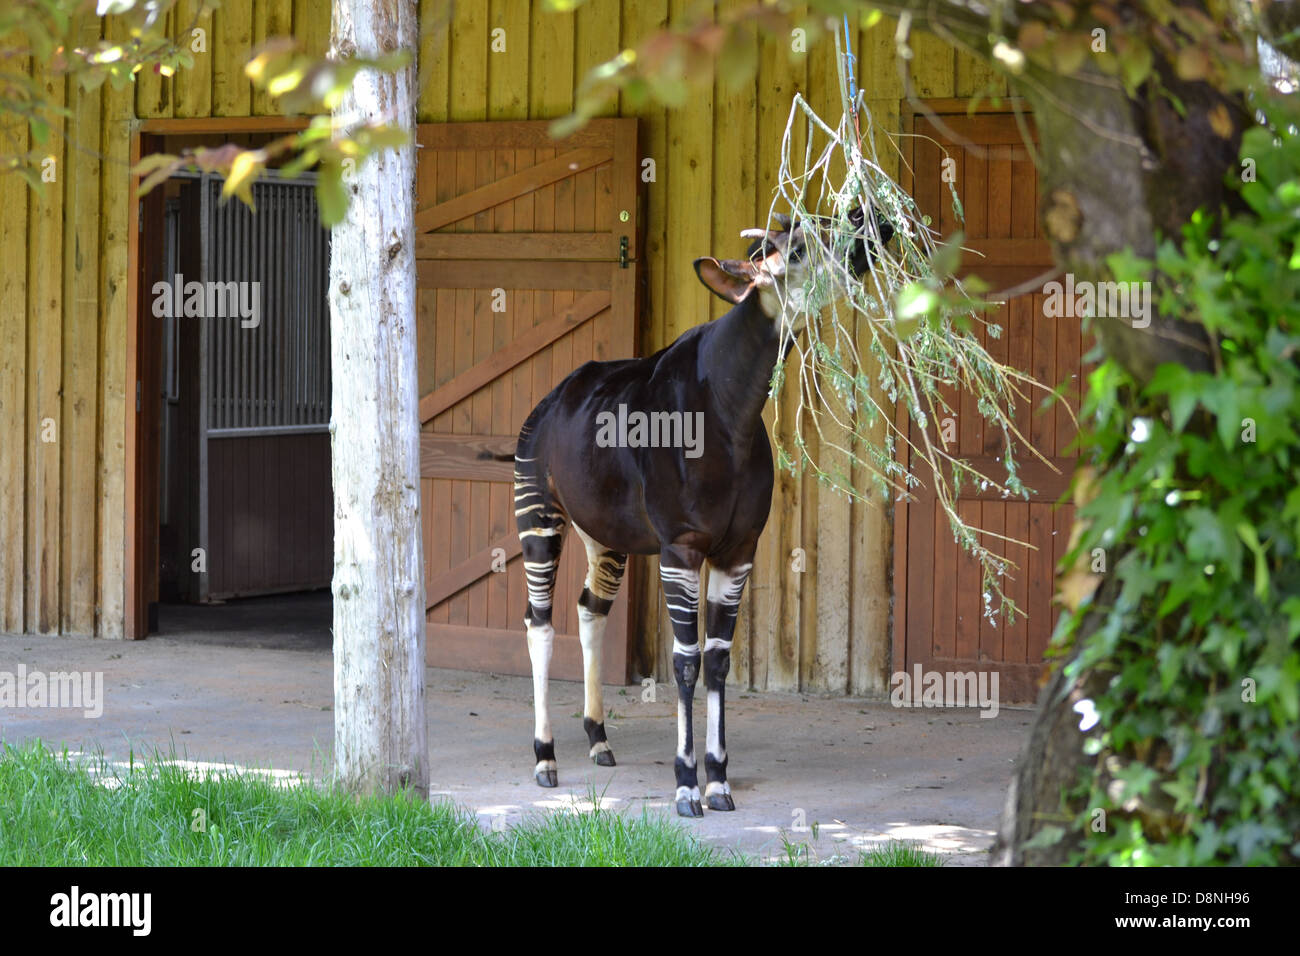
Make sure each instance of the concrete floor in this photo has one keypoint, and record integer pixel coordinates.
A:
(230, 689)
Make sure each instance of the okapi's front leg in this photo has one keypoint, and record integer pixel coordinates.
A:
(723, 603)
(604, 574)
(679, 571)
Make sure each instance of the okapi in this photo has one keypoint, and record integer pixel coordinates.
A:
(638, 498)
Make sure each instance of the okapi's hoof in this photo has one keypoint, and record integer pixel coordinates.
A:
(604, 758)
(721, 801)
(689, 808)
(547, 778)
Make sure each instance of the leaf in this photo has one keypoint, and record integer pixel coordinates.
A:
(1135, 65)
(245, 169)
(915, 300)
(331, 194)
(1070, 51)
(738, 60)
(1246, 532)
(1048, 836)
(1193, 63)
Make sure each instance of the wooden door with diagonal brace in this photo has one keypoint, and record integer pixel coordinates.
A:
(526, 261)
(939, 601)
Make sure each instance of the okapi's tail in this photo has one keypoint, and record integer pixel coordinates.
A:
(492, 456)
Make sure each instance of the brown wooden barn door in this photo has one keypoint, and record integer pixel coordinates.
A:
(526, 269)
(938, 589)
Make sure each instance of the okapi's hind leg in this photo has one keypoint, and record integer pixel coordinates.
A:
(604, 574)
(541, 537)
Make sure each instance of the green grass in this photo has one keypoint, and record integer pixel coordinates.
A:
(898, 853)
(60, 810)
(54, 813)
(893, 853)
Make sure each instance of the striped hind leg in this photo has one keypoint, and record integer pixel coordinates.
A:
(604, 574)
(541, 525)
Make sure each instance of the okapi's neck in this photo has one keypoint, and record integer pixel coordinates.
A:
(738, 359)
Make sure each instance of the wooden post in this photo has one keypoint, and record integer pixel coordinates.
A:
(380, 736)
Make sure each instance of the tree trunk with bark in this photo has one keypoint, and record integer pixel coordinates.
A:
(380, 734)
(1116, 173)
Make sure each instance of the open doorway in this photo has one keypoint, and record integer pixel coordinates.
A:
(237, 532)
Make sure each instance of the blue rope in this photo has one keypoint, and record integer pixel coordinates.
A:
(848, 55)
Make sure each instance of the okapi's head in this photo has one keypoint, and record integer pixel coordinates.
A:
(780, 263)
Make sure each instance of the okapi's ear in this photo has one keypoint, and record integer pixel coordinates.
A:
(730, 280)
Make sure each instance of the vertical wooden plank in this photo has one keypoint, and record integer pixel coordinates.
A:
(1067, 374)
(194, 86)
(551, 64)
(639, 20)
(943, 588)
(44, 375)
(469, 53)
(999, 194)
(1015, 632)
(1040, 577)
(311, 27)
(232, 42)
(1019, 351)
(271, 19)
(994, 520)
(153, 91)
(872, 545)
(18, 435)
(963, 643)
(932, 66)
(1062, 522)
(976, 78)
(574, 561)
(827, 513)
(482, 402)
(775, 663)
(521, 378)
(596, 41)
(735, 184)
(508, 68)
(79, 416)
(878, 72)
(435, 61)
(500, 495)
(1042, 429)
(974, 189)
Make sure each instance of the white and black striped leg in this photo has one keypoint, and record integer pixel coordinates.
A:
(723, 603)
(680, 574)
(541, 537)
(604, 574)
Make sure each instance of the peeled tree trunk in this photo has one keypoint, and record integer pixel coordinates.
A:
(380, 734)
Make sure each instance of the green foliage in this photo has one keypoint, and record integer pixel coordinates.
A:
(1197, 636)
(68, 36)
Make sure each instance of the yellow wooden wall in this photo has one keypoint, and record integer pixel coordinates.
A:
(63, 309)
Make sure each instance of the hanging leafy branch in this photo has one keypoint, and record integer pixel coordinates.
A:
(920, 326)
